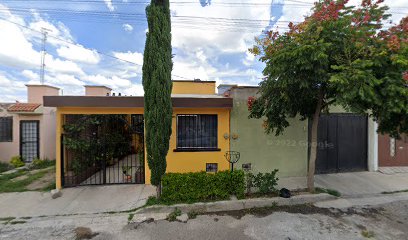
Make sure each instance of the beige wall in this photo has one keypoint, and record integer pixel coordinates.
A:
(97, 91)
(35, 93)
(47, 134)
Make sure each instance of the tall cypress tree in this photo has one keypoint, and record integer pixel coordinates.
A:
(157, 85)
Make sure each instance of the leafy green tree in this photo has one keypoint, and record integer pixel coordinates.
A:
(157, 85)
(337, 55)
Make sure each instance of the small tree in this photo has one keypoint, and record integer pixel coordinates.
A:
(157, 85)
(337, 55)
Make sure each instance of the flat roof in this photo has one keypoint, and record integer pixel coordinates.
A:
(41, 85)
(97, 86)
(179, 101)
(195, 81)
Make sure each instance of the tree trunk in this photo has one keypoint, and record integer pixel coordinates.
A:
(313, 145)
(158, 191)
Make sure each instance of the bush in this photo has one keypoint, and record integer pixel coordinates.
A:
(4, 167)
(202, 186)
(17, 161)
(265, 182)
(42, 163)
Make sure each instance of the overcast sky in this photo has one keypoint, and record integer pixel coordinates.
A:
(210, 40)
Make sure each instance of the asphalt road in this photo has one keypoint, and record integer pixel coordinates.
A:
(389, 221)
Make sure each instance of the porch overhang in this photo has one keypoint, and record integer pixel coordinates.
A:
(179, 101)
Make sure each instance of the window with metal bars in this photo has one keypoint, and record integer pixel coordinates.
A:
(6, 129)
(197, 132)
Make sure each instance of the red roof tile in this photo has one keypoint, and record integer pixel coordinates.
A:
(23, 107)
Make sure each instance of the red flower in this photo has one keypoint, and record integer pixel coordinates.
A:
(405, 76)
(250, 102)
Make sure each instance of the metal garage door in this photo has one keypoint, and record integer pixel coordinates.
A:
(342, 143)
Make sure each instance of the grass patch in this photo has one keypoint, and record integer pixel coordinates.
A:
(7, 177)
(367, 234)
(26, 217)
(42, 163)
(173, 215)
(7, 185)
(392, 192)
(17, 222)
(328, 191)
(50, 187)
(152, 200)
(6, 219)
(192, 214)
(130, 217)
(4, 167)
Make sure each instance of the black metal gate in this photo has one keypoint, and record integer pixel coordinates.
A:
(102, 149)
(29, 140)
(342, 143)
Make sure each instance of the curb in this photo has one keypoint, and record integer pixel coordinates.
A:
(160, 212)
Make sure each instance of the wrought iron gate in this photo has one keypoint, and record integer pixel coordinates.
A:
(102, 149)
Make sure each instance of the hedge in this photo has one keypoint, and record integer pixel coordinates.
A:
(202, 186)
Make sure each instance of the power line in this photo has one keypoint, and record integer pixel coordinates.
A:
(69, 42)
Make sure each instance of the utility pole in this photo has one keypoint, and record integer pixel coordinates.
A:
(44, 32)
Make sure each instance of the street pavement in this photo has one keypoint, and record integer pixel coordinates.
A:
(376, 221)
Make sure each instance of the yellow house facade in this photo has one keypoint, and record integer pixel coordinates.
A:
(199, 140)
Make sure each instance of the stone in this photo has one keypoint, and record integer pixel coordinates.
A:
(182, 218)
(56, 193)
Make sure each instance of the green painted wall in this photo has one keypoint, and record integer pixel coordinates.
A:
(287, 152)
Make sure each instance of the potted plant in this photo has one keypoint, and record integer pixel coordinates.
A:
(127, 171)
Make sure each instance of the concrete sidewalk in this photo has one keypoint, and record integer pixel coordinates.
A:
(79, 200)
(354, 183)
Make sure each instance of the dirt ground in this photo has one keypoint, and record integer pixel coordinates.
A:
(388, 221)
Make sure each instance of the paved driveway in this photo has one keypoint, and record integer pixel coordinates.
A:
(85, 199)
(354, 183)
(358, 183)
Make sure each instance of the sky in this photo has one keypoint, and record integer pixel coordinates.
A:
(101, 42)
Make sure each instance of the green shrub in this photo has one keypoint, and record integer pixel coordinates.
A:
(202, 186)
(42, 163)
(4, 167)
(152, 200)
(173, 215)
(265, 182)
(17, 161)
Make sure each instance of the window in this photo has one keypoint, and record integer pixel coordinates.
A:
(6, 129)
(211, 167)
(197, 133)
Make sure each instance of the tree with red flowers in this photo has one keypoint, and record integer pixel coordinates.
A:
(341, 55)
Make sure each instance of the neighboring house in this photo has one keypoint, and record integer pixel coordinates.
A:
(199, 140)
(345, 140)
(28, 129)
(392, 152)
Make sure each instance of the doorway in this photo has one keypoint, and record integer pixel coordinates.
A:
(341, 143)
(29, 140)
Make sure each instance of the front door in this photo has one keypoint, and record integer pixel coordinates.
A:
(392, 152)
(29, 140)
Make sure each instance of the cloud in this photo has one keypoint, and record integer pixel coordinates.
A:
(127, 27)
(109, 5)
(79, 53)
(68, 66)
(32, 76)
(134, 57)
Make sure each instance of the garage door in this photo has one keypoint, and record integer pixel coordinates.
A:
(342, 143)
